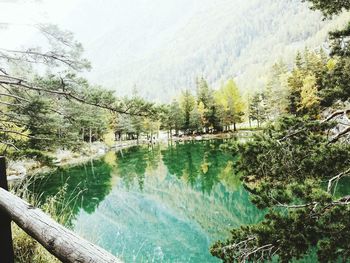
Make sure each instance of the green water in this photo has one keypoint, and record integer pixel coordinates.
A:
(155, 204)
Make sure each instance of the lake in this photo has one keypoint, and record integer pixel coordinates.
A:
(161, 203)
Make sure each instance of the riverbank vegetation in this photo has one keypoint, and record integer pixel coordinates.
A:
(26, 249)
(292, 169)
(296, 167)
(47, 105)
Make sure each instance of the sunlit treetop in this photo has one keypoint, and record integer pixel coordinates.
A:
(330, 7)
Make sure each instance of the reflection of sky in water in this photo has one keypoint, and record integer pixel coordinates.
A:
(162, 205)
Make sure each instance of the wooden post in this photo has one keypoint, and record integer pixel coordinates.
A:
(6, 247)
(65, 245)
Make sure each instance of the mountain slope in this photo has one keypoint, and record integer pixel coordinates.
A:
(162, 46)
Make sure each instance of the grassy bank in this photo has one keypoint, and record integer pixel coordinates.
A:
(26, 249)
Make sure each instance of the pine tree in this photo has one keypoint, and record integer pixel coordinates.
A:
(257, 109)
(277, 90)
(204, 93)
(196, 120)
(187, 103)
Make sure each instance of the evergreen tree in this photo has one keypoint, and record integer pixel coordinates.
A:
(187, 103)
(196, 120)
(257, 109)
(277, 90)
(204, 93)
(175, 119)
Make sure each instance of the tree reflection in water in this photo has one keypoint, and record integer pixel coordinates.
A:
(174, 199)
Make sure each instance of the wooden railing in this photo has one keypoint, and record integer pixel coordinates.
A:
(58, 240)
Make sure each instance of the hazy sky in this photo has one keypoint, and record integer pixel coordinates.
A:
(165, 43)
(113, 32)
(94, 20)
(17, 17)
(19, 14)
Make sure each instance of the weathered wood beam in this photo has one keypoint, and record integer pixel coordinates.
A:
(6, 246)
(59, 241)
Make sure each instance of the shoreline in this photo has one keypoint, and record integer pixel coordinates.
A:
(20, 169)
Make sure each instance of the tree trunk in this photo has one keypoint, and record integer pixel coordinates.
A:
(90, 135)
(234, 126)
(83, 134)
(61, 242)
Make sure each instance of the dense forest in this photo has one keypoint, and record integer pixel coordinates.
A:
(291, 167)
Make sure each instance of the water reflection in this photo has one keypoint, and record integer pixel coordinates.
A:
(156, 204)
(133, 162)
(199, 163)
(86, 186)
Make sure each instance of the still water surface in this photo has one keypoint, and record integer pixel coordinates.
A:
(166, 203)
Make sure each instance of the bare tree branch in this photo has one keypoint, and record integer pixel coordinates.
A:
(339, 135)
(14, 81)
(337, 177)
(32, 56)
(14, 96)
(335, 114)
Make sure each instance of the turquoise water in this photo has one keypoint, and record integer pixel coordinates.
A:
(166, 203)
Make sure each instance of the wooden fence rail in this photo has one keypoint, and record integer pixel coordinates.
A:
(58, 240)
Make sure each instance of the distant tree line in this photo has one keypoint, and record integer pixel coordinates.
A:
(209, 111)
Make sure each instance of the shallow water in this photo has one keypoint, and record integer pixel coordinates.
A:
(166, 203)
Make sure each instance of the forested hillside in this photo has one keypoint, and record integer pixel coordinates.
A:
(161, 47)
(235, 134)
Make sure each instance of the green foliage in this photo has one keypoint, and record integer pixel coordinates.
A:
(187, 103)
(285, 166)
(196, 124)
(171, 117)
(293, 165)
(329, 7)
(257, 108)
(334, 85)
(309, 95)
(230, 103)
(51, 106)
(277, 90)
(208, 112)
(313, 83)
(204, 93)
